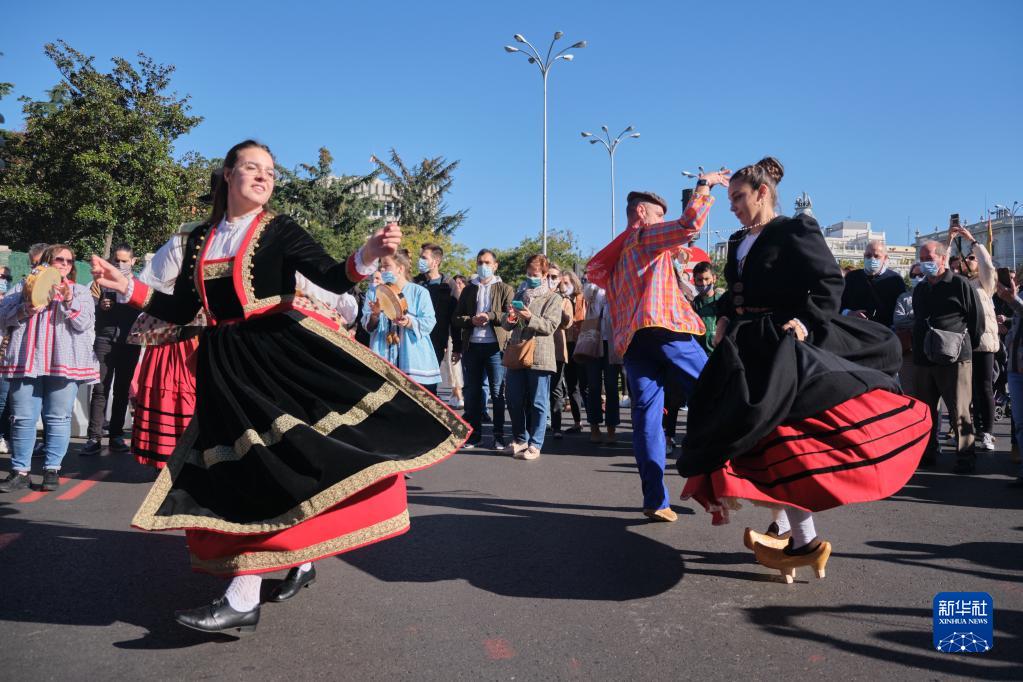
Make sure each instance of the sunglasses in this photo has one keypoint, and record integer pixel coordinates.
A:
(60, 260)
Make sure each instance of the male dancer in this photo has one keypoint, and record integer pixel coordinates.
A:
(653, 323)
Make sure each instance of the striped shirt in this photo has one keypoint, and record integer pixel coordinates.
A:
(644, 291)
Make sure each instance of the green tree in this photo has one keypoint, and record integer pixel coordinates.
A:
(457, 259)
(333, 209)
(420, 191)
(95, 162)
(562, 249)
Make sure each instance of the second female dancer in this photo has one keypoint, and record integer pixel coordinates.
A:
(797, 408)
(292, 454)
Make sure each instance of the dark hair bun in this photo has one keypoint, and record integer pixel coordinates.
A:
(772, 167)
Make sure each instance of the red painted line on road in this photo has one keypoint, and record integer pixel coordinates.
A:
(8, 538)
(498, 649)
(39, 494)
(84, 486)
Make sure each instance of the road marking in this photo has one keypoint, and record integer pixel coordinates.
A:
(498, 649)
(8, 538)
(40, 494)
(83, 487)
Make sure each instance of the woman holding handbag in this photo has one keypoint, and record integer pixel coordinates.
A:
(532, 319)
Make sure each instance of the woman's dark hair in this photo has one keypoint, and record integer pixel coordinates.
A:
(220, 196)
(767, 171)
(52, 250)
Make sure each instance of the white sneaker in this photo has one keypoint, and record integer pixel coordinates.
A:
(3, 446)
(456, 403)
(532, 452)
(987, 442)
(514, 448)
(624, 402)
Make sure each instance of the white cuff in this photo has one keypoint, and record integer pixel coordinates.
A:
(363, 268)
(126, 296)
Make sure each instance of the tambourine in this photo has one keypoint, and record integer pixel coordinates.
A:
(392, 302)
(39, 285)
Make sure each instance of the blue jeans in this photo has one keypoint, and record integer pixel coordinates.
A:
(1015, 382)
(479, 360)
(55, 398)
(5, 389)
(528, 401)
(657, 356)
(599, 372)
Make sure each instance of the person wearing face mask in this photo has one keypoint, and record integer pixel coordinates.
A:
(946, 302)
(442, 295)
(870, 292)
(536, 313)
(404, 342)
(558, 385)
(49, 353)
(117, 361)
(903, 321)
(483, 338)
(5, 285)
(705, 302)
(979, 269)
(575, 372)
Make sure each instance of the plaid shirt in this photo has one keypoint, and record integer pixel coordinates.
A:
(644, 289)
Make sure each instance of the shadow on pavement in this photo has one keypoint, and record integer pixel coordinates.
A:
(74, 575)
(527, 549)
(1004, 556)
(982, 492)
(911, 629)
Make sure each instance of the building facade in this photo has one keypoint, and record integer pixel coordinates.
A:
(1002, 234)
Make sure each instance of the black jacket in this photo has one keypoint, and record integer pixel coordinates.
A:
(876, 295)
(444, 302)
(789, 269)
(950, 304)
(114, 324)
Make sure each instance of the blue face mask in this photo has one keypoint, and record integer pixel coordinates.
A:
(485, 272)
(424, 265)
(3, 285)
(930, 268)
(872, 265)
(533, 282)
(388, 277)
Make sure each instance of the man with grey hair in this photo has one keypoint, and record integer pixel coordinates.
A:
(872, 291)
(948, 323)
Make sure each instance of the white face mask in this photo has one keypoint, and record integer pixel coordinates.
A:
(569, 290)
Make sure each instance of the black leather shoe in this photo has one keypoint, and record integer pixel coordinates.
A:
(15, 482)
(91, 448)
(51, 480)
(118, 445)
(217, 617)
(965, 465)
(295, 581)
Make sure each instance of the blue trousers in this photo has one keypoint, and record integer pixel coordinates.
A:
(528, 402)
(479, 361)
(54, 397)
(655, 357)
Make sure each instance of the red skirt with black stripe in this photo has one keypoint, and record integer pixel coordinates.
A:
(164, 390)
(861, 450)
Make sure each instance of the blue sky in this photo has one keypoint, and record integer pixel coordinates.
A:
(893, 112)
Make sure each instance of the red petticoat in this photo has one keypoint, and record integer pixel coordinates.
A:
(371, 515)
(862, 450)
(164, 390)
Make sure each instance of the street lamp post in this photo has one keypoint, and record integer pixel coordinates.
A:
(544, 64)
(611, 145)
(1012, 226)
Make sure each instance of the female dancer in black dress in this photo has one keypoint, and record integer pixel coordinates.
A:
(797, 408)
(292, 454)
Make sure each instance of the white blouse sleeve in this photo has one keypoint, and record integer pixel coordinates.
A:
(163, 269)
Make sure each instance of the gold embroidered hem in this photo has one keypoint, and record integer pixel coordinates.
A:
(147, 519)
(269, 561)
(217, 270)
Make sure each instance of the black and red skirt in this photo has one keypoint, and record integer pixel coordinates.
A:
(297, 448)
(164, 390)
(861, 450)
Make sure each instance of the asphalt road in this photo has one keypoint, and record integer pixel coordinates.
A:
(522, 570)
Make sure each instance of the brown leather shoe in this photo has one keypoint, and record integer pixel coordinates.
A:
(665, 515)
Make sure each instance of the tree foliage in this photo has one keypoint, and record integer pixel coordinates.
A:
(333, 209)
(420, 191)
(95, 162)
(561, 250)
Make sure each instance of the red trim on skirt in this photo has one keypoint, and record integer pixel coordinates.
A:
(861, 450)
(337, 529)
(164, 390)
